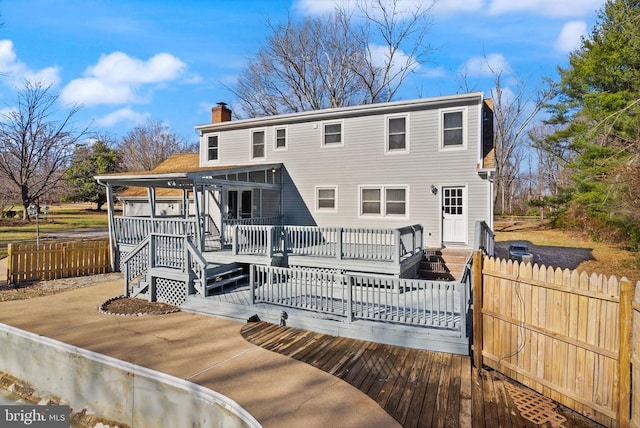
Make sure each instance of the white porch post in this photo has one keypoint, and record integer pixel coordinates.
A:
(151, 192)
(203, 205)
(198, 214)
(112, 241)
(185, 204)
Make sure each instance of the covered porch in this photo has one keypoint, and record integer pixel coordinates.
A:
(204, 204)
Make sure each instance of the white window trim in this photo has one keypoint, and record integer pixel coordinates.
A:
(332, 122)
(317, 203)
(206, 148)
(465, 129)
(275, 138)
(387, 151)
(383, 196)
(253, 131)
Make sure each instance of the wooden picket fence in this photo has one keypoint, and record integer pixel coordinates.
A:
(32, 262)
(570, 336)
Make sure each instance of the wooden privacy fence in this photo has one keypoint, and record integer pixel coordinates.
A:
(32, 262)
(565, 334)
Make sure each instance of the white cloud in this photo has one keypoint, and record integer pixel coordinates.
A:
(117, 78)
(554, 8)
(323, 7)
(446, 7)
(123, 115)
(380, 56)
(433, 72)
(486, 66)
(17, 71)
(570, 37)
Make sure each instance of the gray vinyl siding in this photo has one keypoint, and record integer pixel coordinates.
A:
(362, 161)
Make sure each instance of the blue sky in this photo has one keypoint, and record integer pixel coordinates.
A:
(127, 61)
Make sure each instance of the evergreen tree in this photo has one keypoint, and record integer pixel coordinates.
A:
(598, 114)
(87, 162)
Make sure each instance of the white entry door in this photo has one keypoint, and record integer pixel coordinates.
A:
(454, 215)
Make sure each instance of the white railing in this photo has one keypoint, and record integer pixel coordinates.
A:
(389, 245)
(132, 230)
(136, 264)
(174, 252)
(229, 224)
(485, 239)
(436, 304)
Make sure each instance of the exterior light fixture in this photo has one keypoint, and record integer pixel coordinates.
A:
(434, 189)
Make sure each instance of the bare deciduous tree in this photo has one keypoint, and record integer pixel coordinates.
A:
(513, 113)
(147, 145)
(36, 143)
(338, 60)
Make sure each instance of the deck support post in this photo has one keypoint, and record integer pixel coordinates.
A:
(476, 283)
(112, 240)
(625, 317)
(252, 276)
(349, 284)
(397, 237)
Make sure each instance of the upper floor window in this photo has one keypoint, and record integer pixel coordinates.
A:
(332, 133)
(452, 129)
(257, 144)
(326, 198)
(280, 138)
(213, 148)
(397, 134)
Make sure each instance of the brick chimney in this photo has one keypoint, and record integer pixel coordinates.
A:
(220, 113)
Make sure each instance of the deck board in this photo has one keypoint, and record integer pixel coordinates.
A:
(416, 387)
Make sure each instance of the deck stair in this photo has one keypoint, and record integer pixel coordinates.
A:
(219, 276)
(140, 286)
(444, 264)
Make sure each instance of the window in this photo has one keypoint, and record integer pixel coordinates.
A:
(371, 202)
(452, 129)
(386, 201)
(257, 145)
(396, 134)
(395, 201)
(326, 198)
(212, 148)
(453, 202)
(332, 134)
(280, 138)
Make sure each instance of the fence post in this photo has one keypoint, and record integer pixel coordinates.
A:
(396, 256)
(340, 244)
(234, 242)
(10, 262)
(625, 314)
(476, 283)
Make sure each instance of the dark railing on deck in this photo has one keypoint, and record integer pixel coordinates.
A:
(485, 239)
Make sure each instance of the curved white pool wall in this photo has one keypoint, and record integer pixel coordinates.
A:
(112, 388)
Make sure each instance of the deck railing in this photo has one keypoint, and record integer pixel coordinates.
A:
(133, 230)
(173, 252)
(404, 301)
(229, 224)
(389, 245)
(485, 239)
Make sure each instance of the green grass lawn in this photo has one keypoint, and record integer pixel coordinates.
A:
(61, 217)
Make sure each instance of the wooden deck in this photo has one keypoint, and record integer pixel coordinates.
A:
(418, 388)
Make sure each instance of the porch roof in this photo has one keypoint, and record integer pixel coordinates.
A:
(178, 171)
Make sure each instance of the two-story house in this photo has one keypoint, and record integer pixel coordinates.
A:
(364, 189)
